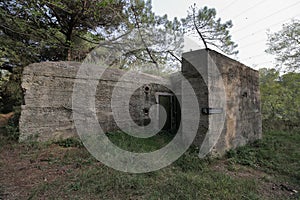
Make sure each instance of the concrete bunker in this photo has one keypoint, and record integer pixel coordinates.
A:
(47, 112)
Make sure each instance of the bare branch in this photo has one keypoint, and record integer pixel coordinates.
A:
(171, 53)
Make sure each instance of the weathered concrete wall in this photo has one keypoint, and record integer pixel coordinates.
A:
(219, 83)
(47, 113)
(242, 98)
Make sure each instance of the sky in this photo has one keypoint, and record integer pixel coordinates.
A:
(251, 22)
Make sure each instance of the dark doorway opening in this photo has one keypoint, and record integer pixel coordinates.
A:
(172, 108)
(165, 101)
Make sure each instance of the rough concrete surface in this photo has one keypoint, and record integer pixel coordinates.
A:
(47, 111)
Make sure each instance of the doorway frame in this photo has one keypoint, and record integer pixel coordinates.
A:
(157, 94)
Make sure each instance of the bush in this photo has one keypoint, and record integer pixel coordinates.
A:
(11, 99)
(12, 128)
(70, 142)
(11, 94)
(284, 125)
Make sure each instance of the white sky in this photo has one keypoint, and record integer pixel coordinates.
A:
(251, 20)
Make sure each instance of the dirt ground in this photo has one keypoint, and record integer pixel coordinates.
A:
(25, 167)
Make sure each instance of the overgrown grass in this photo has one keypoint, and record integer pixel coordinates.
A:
(135, 144)
(100, 182)
(277, 154)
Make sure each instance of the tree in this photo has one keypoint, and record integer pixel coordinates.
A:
(291, 85)
(40, 30)
(144, 42)
(285, 45)
(211, 31)
(162, 40)
(37, 30)
(271, 94)
(280, 97)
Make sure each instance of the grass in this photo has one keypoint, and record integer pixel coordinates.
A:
(139, 145)
(170, 183)
(277, 153)
(255, 171)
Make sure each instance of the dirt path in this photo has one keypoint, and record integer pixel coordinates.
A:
(22, 169)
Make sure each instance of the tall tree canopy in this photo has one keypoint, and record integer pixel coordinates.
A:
(280, 96)
(126, 33)
(40, 30)
(285, 45)
(210, 29)
(37, 30)
(145, 41)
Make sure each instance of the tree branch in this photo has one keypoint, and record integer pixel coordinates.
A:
(171, 53)
(142, 39)
(198, 31)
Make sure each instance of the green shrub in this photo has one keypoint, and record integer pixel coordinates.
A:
(11, 99)
(190, 161)
(277, 152)
(12, 128)
(11, 93)
(69, 142)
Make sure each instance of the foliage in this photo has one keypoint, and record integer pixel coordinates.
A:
(280, 97)
(258, 168)
(276, 153)
(38, 30)
(11, 99)
(11, 94)
(204, 23)
(134, 144)
(144, 42)
(96, 181)
(285, 45)
(127, 34)
(4, 78)
(69, 142)
(11, 130)
(191, 157)
(151, 43)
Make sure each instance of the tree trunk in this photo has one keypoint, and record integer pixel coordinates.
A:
(68, 50)
(69, 54)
